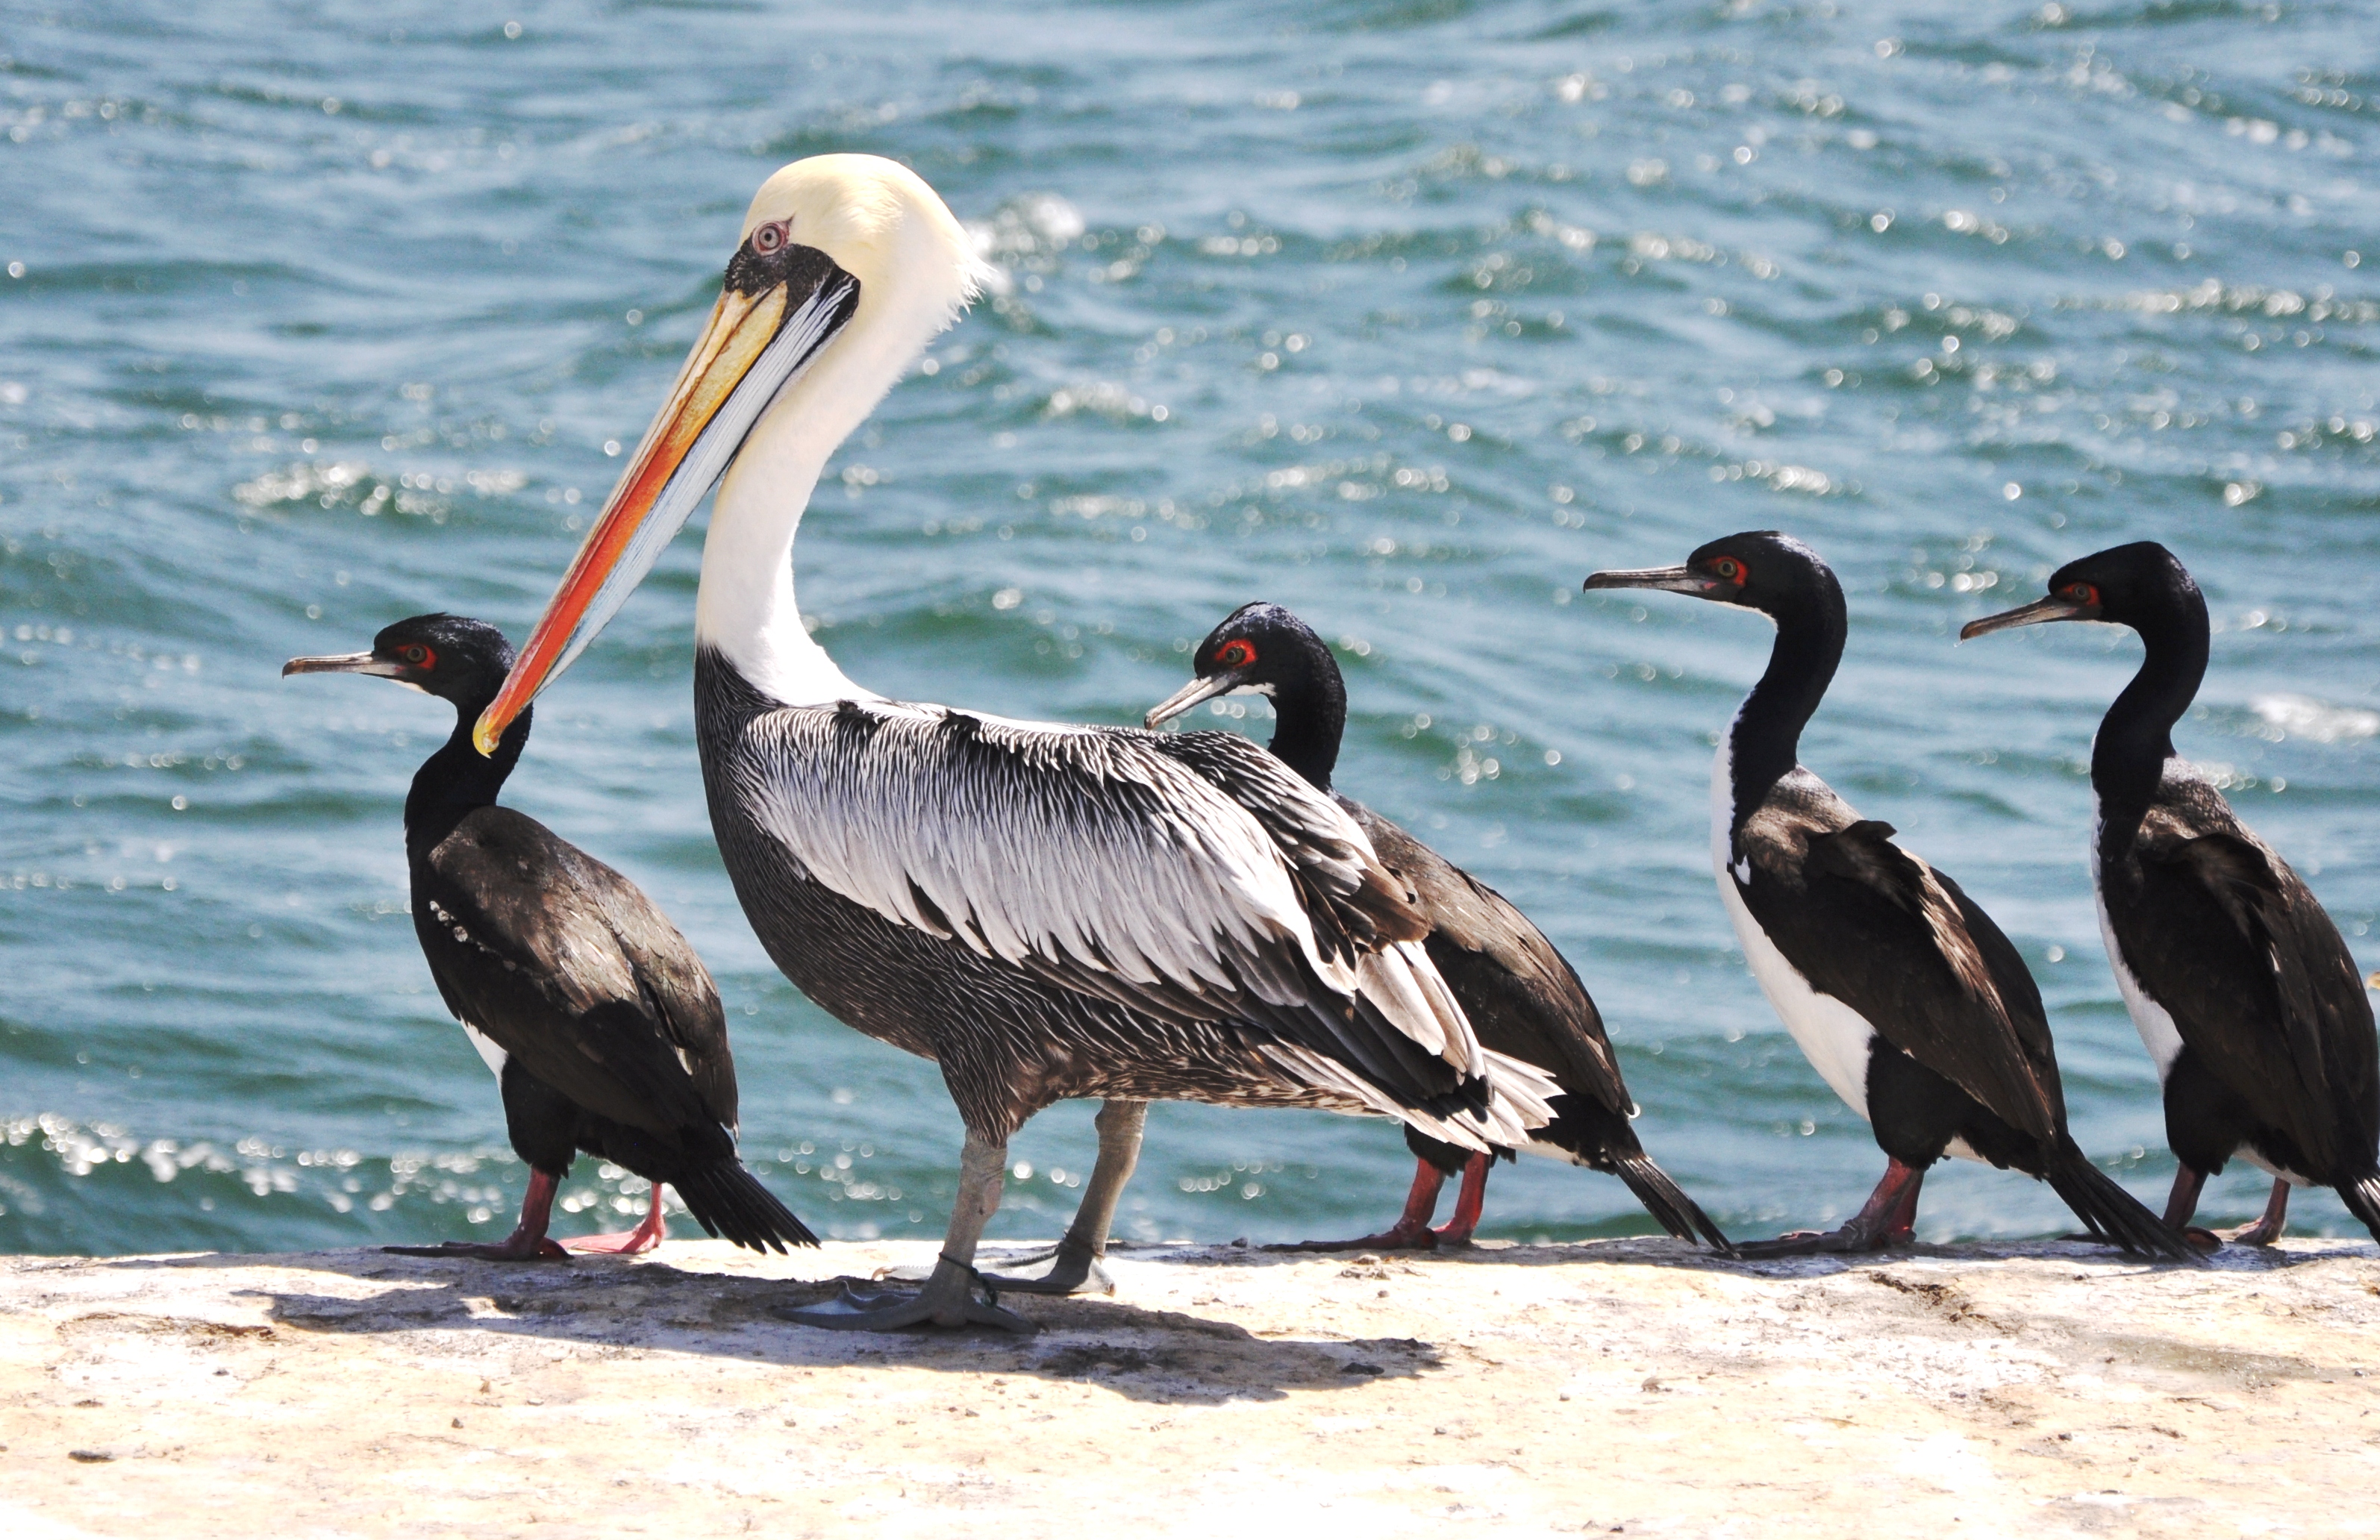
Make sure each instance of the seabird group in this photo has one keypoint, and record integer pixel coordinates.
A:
(1051, 910)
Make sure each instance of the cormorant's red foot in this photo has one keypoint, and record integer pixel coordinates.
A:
(1399, 1237)
(527, 1243)
(1887, 1221)
(1411, 1230)
(648, 1235)
(1853, 1237)
(512, 1248)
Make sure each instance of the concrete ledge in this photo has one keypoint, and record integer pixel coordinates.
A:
(1634, 1387)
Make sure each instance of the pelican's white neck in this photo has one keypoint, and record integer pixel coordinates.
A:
(745, 610)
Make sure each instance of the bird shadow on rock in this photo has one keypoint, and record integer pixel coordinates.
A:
(621, 1306)
(1668, 1253)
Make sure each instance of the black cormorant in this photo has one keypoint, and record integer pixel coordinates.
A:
(2242, 987)
(601, 1025)
(1523, 997)
(1907, 999)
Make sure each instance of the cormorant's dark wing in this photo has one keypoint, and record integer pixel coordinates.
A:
(1188, 876)
(2258, 981)
(1875, 927)
(565, 965)
(1522, 995)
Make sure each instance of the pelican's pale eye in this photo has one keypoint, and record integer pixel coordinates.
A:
(1729, 570)
(769, 238)
(418, 655)
(2082, 593)
(1237, 654)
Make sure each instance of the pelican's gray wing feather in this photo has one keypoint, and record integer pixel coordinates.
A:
(1191, 875)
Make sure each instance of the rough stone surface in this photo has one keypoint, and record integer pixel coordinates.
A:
(1634, 1387)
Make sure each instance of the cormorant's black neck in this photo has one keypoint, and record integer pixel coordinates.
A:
(1310, 704)
(458, 780)
(1766, 742)
(2136, 736)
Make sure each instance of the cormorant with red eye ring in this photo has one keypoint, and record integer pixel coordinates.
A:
(601, 1025)
(1521, 996)
(1907, 999)
(2242, 989)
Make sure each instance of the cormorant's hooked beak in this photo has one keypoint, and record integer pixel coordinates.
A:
(1192, 694)
(346, 662)
(1679, 579)
(760, 339)
(2039, 612)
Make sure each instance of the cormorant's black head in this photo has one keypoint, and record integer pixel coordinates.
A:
(1259, 647)
(1759, 569)
(2139, 584)
(452, 657)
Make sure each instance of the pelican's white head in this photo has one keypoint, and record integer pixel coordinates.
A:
(847, 267)
(917, 269)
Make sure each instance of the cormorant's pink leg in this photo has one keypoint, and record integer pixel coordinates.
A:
(1468, 1204)
(1411, 1233)
(2182, 1201)
(627, 1243)
(1887, 1219)
(2265, 1231)
(528, 1241)
(1903, 1227)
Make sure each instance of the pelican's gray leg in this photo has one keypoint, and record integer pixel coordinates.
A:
(1074, 1264)
(949, 1297)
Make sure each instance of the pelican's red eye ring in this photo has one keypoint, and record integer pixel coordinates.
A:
(2083, 593)
(418, 655)
(1237, 654)
(769, 239)
(1729, 570)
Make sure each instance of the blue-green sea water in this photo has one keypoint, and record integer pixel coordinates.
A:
(1406, 313)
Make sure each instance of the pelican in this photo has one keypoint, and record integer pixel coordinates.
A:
(1045, 910)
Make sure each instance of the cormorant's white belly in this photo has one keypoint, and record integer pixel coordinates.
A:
(496, 1057)
(1832, 1036)
(2255, 1157)
(2152, 1021)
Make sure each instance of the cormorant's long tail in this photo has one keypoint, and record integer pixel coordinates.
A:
(2362, 1199)
(730, 1203)
(2112, 1213)
(1667, 1201)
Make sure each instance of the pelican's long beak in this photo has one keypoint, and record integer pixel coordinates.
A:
(2039, 612)
(1678, 580)
(759, 340)
(344, 662)
(1190, 694)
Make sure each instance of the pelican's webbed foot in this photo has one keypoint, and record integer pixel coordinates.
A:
(948, 1300)
(1073, 1269)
